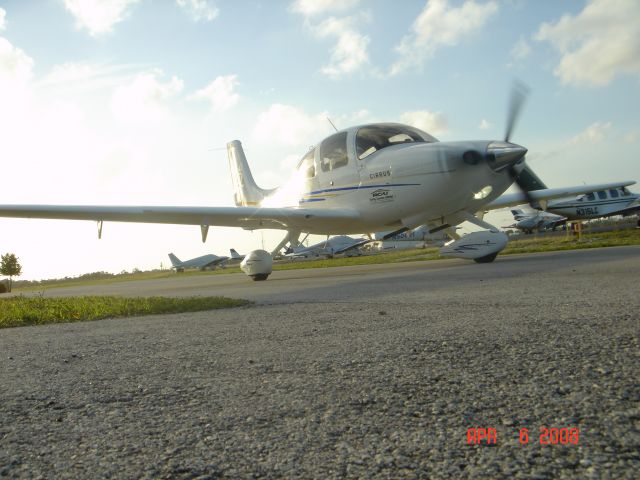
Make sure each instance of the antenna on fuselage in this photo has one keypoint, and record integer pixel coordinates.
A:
(334, 127)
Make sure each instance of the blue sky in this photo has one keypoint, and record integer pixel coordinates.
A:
(131, 102)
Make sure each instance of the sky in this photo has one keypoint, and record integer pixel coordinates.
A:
(131, 102)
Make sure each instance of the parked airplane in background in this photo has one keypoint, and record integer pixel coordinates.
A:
(235, 256)
(535, 220)
(368, 178)
(328, 248)
(418, 237)
(602, 203)
(206, 261)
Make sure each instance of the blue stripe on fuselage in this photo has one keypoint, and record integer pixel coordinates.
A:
(358, 187)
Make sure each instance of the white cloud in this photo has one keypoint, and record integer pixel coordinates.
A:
(219, 93)
(349, 54)
(595, 133)
(434, 123)
(289, 162)
(484, 124)
(143, 100)
(199, 10)
(288, 125)
(309, 8)
(16, 72)
(358, 117)
(596, 45)
(520, 50)
(85, 76)
(98, 16)
(440, 25)
(15, 65)
(3, 16)
(632, 137)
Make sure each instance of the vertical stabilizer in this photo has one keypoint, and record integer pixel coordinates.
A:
(247, 193)
(175, 261)
(517, 214)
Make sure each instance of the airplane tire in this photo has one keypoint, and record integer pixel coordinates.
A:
(486, 258)
(260, 276)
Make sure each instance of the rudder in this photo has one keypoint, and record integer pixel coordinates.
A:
(246, 192)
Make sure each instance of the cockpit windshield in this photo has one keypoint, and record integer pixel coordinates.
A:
(306, 164)
(372, 138)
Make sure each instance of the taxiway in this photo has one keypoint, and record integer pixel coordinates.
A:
(375, 371)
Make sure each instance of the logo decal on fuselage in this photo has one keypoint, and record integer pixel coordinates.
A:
(381, 195)
(386, 173)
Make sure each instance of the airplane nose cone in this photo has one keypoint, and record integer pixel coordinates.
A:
(504, 154)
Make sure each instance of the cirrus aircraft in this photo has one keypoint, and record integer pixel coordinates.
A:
(375, 177)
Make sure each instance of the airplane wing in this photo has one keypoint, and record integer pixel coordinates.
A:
(519, 198)
(354, 245)
(558, 222)
(249, 218)
(214, 263)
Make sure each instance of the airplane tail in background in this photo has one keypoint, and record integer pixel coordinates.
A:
(235, 255)
(247, 193)
(518, 214)
(175, 261)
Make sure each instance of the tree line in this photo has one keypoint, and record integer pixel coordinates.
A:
(9, 267)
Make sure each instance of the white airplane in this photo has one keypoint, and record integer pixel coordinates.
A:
(327, 248)
(535, 220)
(601, 203)
(368, 178)
(202, 263)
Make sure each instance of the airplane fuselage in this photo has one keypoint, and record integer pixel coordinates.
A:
(402, 184)
(604, 203)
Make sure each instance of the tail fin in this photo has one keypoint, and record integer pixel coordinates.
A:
(234, 254)
(175, 261)
(247, 193)
(517, 213)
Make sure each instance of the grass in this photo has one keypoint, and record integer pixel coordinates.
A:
(517, 244)
(21, 311)
(36, 310)
(532, 244)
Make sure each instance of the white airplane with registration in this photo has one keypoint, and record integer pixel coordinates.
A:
(597, 204)
(366, 178)
(535, 220)
(204, 262)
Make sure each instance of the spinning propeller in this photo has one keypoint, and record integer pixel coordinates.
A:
(519, 92)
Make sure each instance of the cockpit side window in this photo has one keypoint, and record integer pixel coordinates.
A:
(591, 197)
(372, 138)
(602, 195)
(625, 192)
(307, 165)
(613, 193)
(333, 152)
